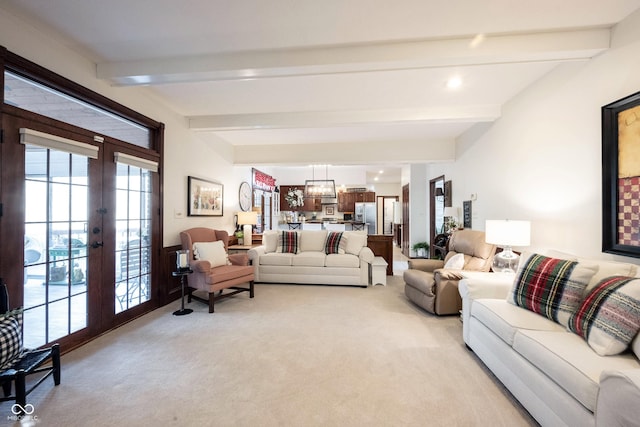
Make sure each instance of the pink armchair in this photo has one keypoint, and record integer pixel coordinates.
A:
(212, 279)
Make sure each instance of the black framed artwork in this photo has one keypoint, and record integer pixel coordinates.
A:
(621, 176)
(466, 213)
(205, 197)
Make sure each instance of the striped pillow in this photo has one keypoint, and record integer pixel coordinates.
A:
(288, 242)
(550, 287)
(609, 317)
(332, 245)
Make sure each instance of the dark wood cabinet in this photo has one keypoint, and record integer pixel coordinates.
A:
(382, 245)
(347, 199)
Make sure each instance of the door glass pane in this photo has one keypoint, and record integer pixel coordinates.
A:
(133, 254)
(55, 251)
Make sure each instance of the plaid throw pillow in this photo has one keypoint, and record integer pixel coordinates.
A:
(10, 338)
(550, 287)
(288, 242)
(609, 317)
(332, 245)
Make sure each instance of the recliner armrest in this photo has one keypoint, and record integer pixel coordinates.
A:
(428, 265)
(441, 274)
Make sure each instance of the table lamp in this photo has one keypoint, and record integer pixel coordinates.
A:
(247, 220)
(507, 233)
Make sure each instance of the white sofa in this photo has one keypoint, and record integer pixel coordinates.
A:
(310, 264)
(553, 373)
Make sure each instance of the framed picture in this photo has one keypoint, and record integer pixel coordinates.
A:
(205, 197)
(466, 212)
(621, 176)
(330, 210)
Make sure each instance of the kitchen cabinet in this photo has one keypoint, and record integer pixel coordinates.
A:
(347, 199)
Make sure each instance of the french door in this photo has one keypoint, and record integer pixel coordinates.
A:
(82, 211)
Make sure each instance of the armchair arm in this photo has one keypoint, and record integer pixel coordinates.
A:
(428, 265)
(200, 266)
(239, 259)
(446, 288)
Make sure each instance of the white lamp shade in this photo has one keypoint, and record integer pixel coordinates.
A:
(508, 233)
(450, 212)
(250, 218)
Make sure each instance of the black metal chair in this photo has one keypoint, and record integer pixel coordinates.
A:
(30, 362)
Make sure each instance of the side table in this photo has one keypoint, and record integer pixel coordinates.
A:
(182, 274)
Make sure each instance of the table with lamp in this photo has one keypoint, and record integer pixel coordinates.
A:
(247, 220)
(507, 234)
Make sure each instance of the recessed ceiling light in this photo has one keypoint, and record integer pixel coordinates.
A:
(454, 82)
(381, 171)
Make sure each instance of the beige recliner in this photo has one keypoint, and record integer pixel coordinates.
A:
(430, 286)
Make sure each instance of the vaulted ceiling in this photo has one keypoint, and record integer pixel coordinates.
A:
(337, 81)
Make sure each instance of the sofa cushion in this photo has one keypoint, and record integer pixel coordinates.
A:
(213, 252)
(309, 259)
(288, 242)
(342, 260)
(270, 240)
(565, 358)
(609, 317)
(332, 245)
(354, 241)
(506, 319)
(551, 287)
(607, 269)
(276, 258)
(311, 240)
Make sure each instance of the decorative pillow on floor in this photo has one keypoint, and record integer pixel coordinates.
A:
(456, 262)
(288, 242)
(609, 317)
(211, 251)
(334, 243)
(10, 337)
(551, 287)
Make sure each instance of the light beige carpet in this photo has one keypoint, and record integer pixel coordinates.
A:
(292, 356)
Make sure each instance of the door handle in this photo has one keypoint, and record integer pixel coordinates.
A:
(95, 245)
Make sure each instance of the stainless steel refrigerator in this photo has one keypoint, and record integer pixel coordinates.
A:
(366, 212)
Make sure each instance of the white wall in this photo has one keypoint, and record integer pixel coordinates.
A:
(541, 160)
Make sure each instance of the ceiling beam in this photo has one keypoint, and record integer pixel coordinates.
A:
(298, 119)
(383, 56)
(378, 152)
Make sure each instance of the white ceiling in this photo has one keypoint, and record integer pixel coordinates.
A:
(354, 74)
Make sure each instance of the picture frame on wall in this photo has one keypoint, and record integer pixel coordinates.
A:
(330, 210)
(205, 197)
(466, 210)
(621, 176)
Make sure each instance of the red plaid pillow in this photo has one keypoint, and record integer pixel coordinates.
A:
(332, 246)
(288, 242)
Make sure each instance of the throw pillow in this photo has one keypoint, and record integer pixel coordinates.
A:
(10, 337)
(551, 287)
(456, 262)
(354, 241)
(288, 242)
(332, 245)
(213, 252)
(609, 317)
